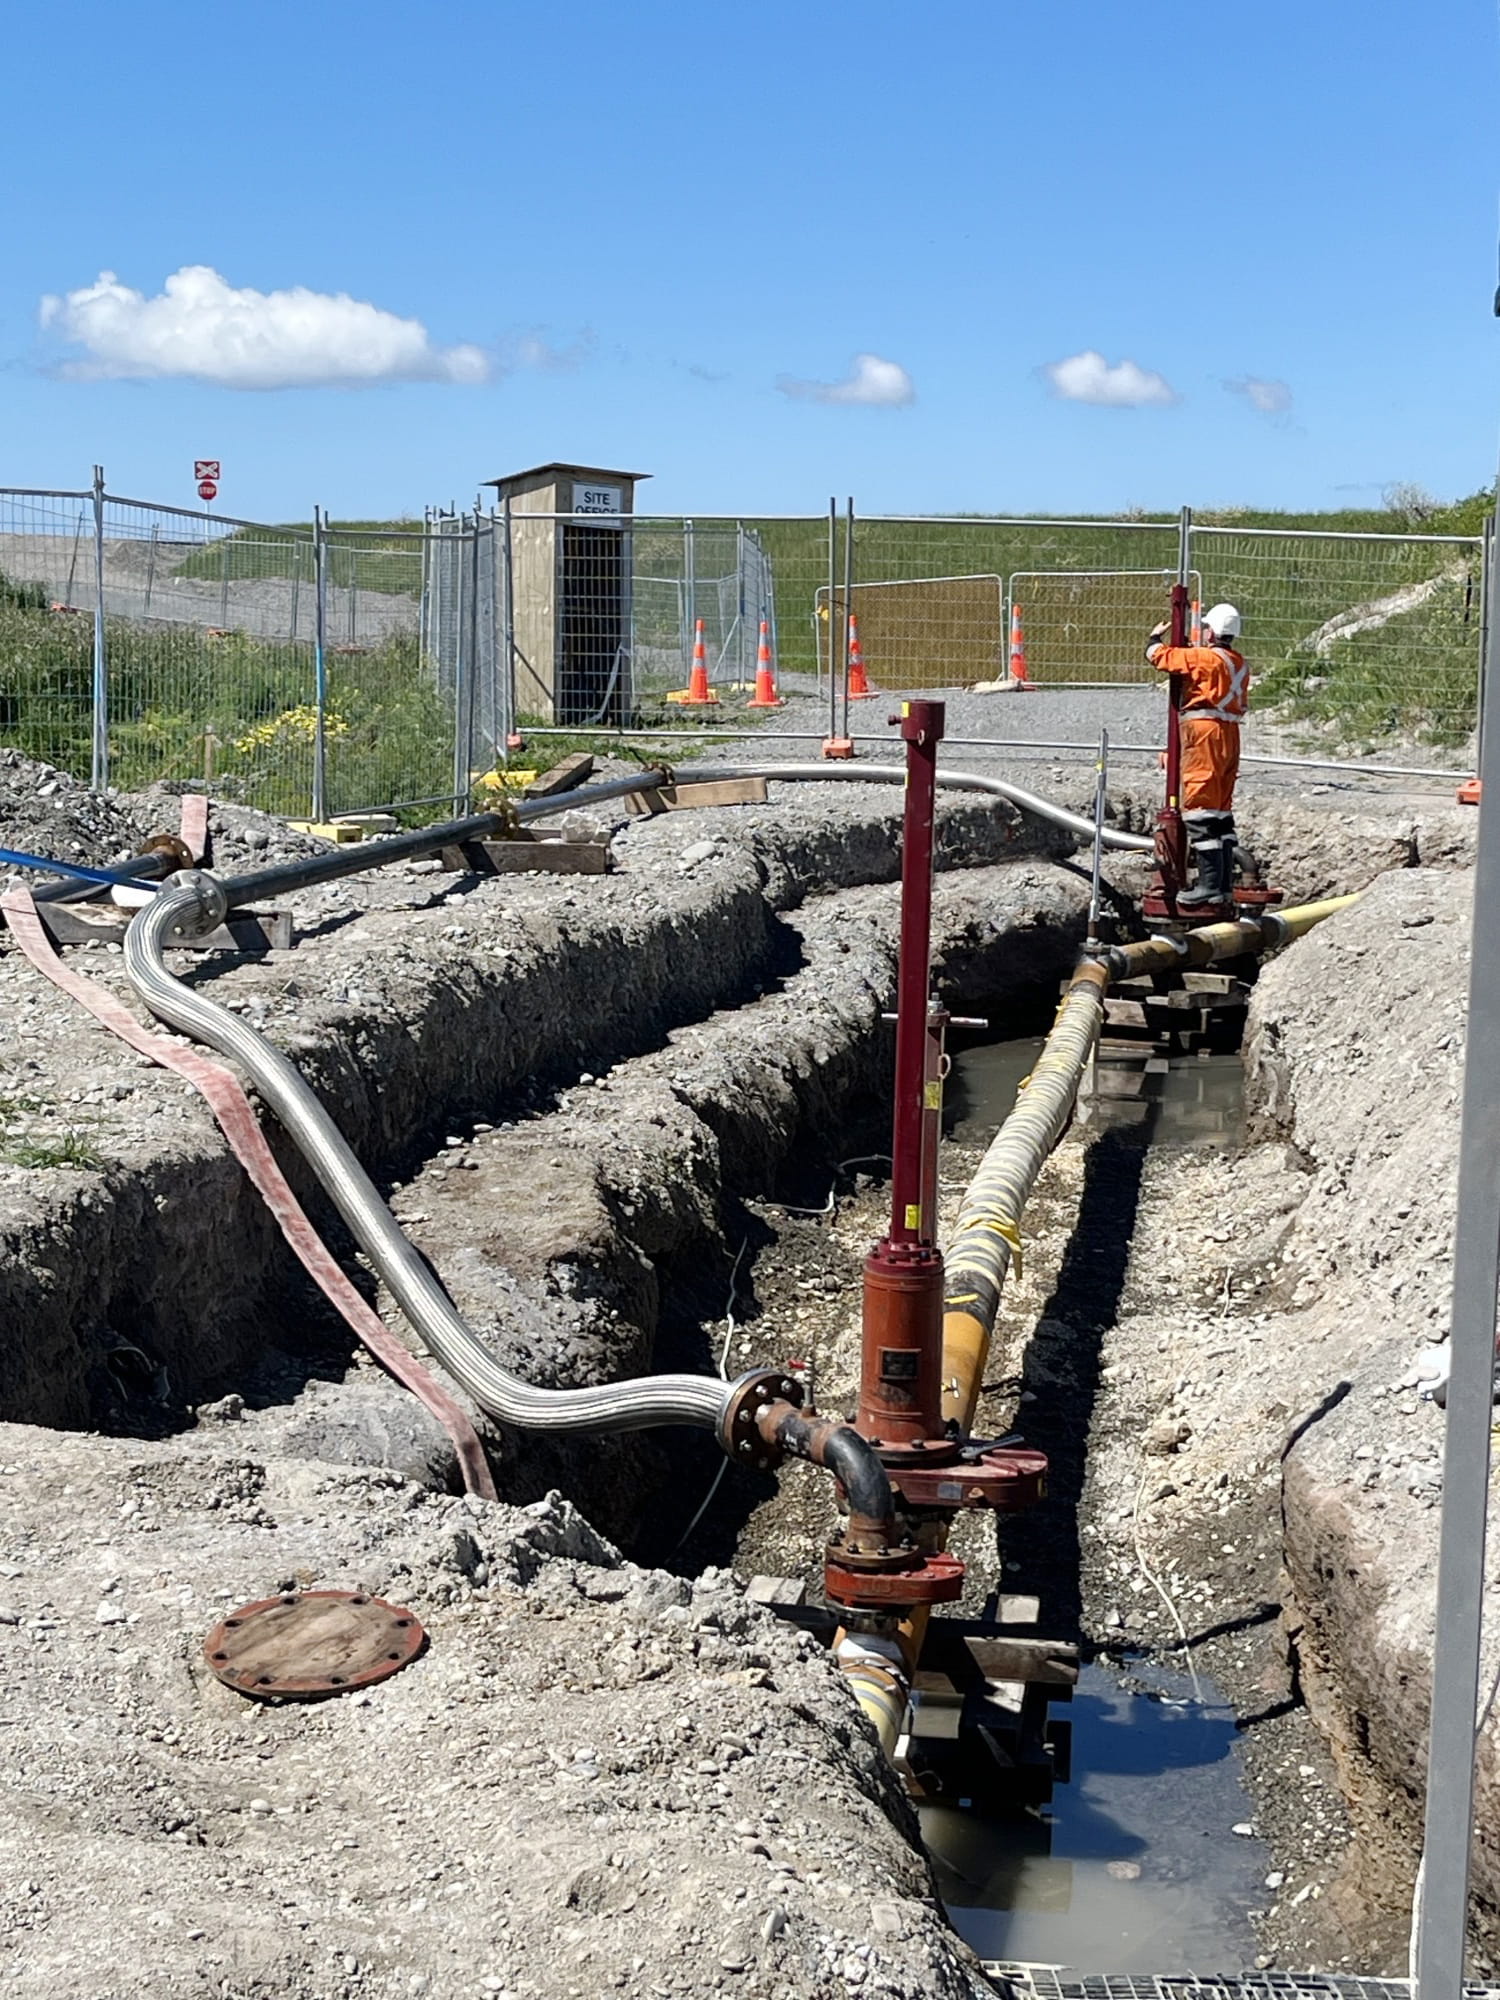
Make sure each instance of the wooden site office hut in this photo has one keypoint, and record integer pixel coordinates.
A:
(570, 569)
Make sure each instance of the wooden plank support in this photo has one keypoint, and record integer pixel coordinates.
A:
(252, 933)
(527, 855)
(1127, 1013)
(565, 776)
(1215, 982)
(1019, 1662)
(687, 797)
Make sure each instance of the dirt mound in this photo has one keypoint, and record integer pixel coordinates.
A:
(44, 811)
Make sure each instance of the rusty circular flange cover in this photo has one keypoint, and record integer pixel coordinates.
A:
(303, 1645)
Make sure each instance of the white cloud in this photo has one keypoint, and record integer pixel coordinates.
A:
(1271, 398)
(872, 381)
(534, 348)
(1123, 385)
(203, 329)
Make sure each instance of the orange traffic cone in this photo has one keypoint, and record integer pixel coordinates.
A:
(1195, 626)
(697, 693)
(765, 695)
(1018, 651)
(859, 686)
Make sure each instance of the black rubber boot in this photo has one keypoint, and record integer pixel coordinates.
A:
(1215, 883)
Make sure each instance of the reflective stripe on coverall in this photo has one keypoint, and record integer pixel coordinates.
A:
(1215, 695)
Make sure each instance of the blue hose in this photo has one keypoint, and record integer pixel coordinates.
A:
(19, 860)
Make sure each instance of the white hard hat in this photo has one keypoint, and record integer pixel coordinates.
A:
(1223, 621)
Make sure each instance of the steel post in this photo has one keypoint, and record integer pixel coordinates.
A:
(848, 604)
(99, 757)
(833, 644)
(1096, 882)
(1443, 1915)
(508, 671)
(900, 1401)
(320, 671)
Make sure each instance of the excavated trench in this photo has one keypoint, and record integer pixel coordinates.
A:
(672, 1157)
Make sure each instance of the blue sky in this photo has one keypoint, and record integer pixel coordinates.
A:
(659, 236)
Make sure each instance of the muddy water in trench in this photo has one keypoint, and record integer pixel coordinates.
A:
(1135, 1866)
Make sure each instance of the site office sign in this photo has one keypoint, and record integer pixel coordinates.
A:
(589, 499)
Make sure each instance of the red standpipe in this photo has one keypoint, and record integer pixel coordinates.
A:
(900, 1400)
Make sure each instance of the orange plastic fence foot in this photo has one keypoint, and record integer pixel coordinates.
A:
(840, 747)
(1469, 791)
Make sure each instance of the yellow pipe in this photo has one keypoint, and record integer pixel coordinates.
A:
(987, 1240)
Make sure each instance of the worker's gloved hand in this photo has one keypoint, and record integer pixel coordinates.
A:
(1158, 632)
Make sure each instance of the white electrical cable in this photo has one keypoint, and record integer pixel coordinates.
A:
(1160, 1588)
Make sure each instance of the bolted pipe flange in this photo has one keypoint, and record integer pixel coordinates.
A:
(169, 844)
(937, 1578)
(197, 902)
(749, 1397)
(872, 1553)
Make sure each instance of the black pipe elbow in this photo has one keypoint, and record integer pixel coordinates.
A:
(858, 1467)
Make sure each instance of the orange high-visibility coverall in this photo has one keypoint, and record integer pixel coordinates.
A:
(1215, 695)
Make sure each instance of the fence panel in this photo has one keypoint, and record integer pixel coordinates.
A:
(719, 571)
(166, 643)
(1086, 628)
(1359, 645)
(209, 644)
(927, 603)
(46, 630)
(390, 713)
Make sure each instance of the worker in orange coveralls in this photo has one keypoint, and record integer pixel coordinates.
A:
(1215, 691)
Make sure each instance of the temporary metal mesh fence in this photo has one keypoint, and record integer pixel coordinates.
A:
(1360, 645)
(931, 614)
(318, 668)
(1088, 627)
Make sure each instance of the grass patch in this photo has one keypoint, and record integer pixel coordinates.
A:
(70, 1150)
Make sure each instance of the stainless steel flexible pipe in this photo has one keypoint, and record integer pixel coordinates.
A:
(195, 904)
(950, 781)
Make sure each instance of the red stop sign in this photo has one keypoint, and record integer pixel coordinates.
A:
(207, 490)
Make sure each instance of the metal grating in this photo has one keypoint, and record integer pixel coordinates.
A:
(1039, 1982)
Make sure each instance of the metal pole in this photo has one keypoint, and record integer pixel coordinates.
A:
(922, 729)
(848, 603)
(99, 757)
(508, 686)
(224, 584)
(742, 674)
(296, 548)
(900, 1393)
(1487, 575)
(1442, 1920)
(320, 672)
(463, 690)
(833, 618)
(1100, 788)
(150, 570)
(689, 597)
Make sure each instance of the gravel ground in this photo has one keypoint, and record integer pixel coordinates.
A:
(595, 1779)
(1026, 723)
(674, 1030)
